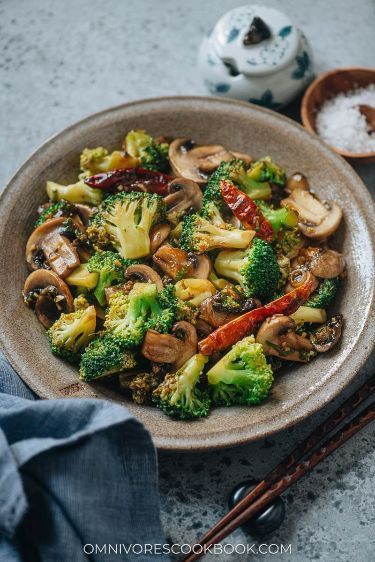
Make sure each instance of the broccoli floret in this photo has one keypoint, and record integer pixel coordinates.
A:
(230, 298)
(96, 160)
(178, 395)
(130, 316)
(186, 311)
(104, 356)
(141, 386)
(71, 333)
(242, 376)
(151, 155)
(199, 235)
(256, 269)
(324, 294)
(74, 193)
(280, 219)
(55, 210)
(123, 222)
(111, 269)
(237, 172)
(264, 170)
(288, 243)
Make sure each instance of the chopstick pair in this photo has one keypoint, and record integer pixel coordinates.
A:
(293, 467)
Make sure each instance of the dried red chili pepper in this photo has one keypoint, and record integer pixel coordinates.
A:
(131, 178)
(244, 325)
(246, 210)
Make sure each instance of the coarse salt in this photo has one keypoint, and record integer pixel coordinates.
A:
(340, 123)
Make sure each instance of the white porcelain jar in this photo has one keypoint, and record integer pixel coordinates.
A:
(257, 54)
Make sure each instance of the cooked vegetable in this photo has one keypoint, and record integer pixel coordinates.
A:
(242, 376)
(200, 235)
(82, 276)
(74, 193)
(246, 211)
(194, 291)
(178, 395)
(130, 179)
(105, 356)
(96, 160)
(109, 269)
(123, 222)
(152, 155)
(279, 219)
(256, 269)
(71, 333)
(279, 339)
(308, 314)
(140, 386)
(54, 210)
(327, 336)
(324, 294)
(230, 333)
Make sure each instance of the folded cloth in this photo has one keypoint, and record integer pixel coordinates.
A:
(78, 479)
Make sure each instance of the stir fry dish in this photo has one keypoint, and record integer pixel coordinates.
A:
(184, 275)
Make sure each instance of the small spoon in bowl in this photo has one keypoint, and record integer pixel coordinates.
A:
(369, 114)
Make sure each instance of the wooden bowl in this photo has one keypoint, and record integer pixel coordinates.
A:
(297, 393)
(325, 87)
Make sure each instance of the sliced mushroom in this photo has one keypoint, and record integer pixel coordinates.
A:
(196, 163)
(279, 339)
(317, 219)
(214, 315)
(177, 263)
(203, 329)
(58, 251)
(160, 348)
(145, 274)
(327, 336)
(48, 295)
(173, 349)
(85, 212)
(297, 181)
(187, 335)
(158, 234)
(183, 194)
(327, 264)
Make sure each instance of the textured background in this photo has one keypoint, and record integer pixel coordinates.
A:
(60, 61)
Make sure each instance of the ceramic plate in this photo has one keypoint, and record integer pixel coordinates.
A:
(239, 126)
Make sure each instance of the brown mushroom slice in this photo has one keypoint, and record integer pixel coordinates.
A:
(196, 163)
(317, 219)
(85, 212)
(279, 339)
(158, 234)
(214, 315)
(49, 295)
(327, 336)
(58, 251)
(327, 264)
(297, 181)
(187, 335)
(160, 348)
(145, 274)
(183, 194)
(177, 263)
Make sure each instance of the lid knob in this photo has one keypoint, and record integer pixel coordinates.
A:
(258, 32)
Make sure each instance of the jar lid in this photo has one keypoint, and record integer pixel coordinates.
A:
(255, 40)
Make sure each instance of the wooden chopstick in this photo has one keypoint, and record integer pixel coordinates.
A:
(290, 469)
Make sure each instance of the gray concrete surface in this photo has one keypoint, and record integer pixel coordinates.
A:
(60, 61)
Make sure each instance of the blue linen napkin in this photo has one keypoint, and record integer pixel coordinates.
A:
(74, 472)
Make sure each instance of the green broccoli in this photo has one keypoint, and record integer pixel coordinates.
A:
(71, 333)
(130, 316)
(74, 193)
(279, 219)
(141, 386)
(152, 155)
(199, 235)
(123, 222)
(324, 294)
(238, 172)
(230, 298)
(111, 269)
(256, 269)
(178, 395)
(104, 356)
(97, 160)
(54, 210)
(242, 376)
(288, 243)
(264, 170)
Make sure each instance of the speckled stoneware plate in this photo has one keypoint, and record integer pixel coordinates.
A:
(239, 126)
